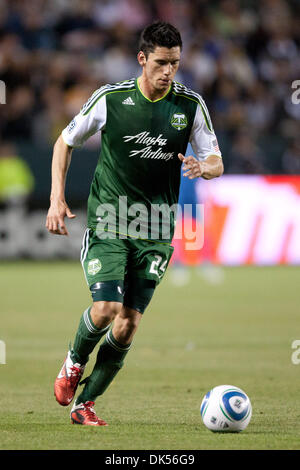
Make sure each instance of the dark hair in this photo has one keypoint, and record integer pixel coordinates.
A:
(159, 34)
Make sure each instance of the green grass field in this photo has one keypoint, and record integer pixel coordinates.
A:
(194, 337)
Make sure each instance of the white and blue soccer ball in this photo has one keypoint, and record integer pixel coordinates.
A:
(226, 408)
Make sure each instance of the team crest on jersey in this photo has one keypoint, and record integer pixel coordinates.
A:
(94, 266)
(179, 121)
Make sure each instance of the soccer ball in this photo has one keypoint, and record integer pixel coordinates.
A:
(226, 409)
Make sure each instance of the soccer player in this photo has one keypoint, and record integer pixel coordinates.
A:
(146, 124)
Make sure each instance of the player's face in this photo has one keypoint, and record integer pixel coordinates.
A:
(160, 67)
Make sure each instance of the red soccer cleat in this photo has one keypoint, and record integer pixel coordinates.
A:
(67, 381)
(84, 413)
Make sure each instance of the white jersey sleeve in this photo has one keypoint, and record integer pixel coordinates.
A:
(203, 138)
(84, 125)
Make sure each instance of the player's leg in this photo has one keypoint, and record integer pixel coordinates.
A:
(94, 323)
(125, 325)
(145, 269)
(147, 266)
(98, 264)
(118, 340)
(109, 361)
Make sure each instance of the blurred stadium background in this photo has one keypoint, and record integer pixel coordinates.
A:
(242, 56)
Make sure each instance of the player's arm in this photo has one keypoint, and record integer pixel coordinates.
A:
(59, 209)
(211, 167)
(91, 119)
(208, 163)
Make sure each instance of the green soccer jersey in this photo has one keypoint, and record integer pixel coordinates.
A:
(135, 188)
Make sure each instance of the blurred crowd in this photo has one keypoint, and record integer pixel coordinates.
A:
(242, 56)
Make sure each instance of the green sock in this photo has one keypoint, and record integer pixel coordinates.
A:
(87, 337)
(110, 359)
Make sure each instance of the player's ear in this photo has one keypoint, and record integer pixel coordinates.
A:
(141, 58)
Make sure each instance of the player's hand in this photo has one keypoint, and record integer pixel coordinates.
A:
(192, 166)
(55, 222)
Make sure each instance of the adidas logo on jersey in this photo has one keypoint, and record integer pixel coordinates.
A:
(128, 101)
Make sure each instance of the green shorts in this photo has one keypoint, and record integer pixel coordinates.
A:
(123, 260)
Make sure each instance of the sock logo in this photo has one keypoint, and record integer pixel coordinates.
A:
(94, 266)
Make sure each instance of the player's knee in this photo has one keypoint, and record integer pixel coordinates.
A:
(103, 312)
(126, 324)
(128, 320)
